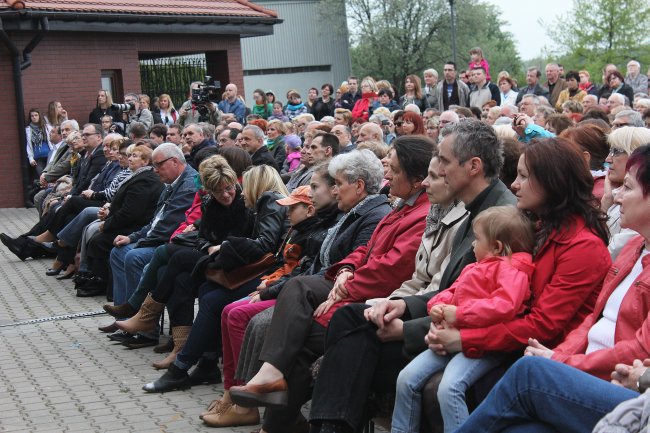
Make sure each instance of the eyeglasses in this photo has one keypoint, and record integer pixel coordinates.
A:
(615, 151)
(229, 189)
(159, 164)
(620, 125)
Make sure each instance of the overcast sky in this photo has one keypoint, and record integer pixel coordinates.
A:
(522, 16)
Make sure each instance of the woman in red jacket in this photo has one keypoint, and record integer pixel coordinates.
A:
(303, 311)
(363, 107)
(545, 395)
(571, 259)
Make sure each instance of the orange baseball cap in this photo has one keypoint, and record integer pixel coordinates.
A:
(298, 195)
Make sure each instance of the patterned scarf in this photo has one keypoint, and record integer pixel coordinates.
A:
(435, 216)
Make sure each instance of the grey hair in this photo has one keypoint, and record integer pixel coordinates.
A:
(622, 98)
(169, 150)
(477, 139)
(359, 164)
(535, 99)
(633, 117)
(259, 134)
(432, 72)
(73, 136)
(72, 122)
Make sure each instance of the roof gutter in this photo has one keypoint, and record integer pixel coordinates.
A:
(18, 67)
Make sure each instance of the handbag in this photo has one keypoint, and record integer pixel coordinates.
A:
(187, 239)
(236, 278)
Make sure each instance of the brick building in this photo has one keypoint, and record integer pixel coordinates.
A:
(77, 47)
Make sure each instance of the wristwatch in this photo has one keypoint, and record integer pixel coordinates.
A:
(644, 381)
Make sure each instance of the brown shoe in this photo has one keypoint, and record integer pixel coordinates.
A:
(229, 418)
(274, 394)
(109, 328)
(145, 319)
(119, 311)
(180, 335)
(214, 407)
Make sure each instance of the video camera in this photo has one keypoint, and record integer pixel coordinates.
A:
(205, 92)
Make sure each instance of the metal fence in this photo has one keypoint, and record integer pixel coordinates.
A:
(171, 75)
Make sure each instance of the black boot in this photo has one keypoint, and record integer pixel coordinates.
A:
(18, 246)
(173, 379)
(206, 372)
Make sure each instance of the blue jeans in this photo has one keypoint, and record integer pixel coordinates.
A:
(460, 373)
(541, 395)
(71, 233)
(127, 264)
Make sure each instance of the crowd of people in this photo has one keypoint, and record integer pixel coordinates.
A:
(374, 251)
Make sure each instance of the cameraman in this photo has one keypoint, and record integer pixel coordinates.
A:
(136, 113)
(189, 112)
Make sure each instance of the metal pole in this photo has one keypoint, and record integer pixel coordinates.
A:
(453, 30)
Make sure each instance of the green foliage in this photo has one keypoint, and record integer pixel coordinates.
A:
(597, 32)
(393, 38)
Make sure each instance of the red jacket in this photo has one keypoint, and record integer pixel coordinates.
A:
(632, 335)
(491, 291)
(362, 107)
(387, 260)
(569, 271)
(192, 214)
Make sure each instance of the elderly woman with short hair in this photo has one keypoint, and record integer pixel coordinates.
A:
(363, 107)
(302, 313)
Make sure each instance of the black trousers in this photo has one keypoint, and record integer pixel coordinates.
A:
(356, 364)
(99, 249)
(176, 288)
(293, 342)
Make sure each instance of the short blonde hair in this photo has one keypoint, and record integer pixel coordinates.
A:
(379, 148)
(215, 172)
(371, 82)
(144, 151)
(509, 226)
(260, 179)
(628, 138)
(279, 125)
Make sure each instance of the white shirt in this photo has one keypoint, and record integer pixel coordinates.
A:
(601, 334)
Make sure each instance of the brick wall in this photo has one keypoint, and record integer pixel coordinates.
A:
(67, 67)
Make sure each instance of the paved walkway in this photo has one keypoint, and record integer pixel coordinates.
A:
(64, 375)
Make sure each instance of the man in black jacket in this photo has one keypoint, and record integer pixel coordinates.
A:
(365, 345)
(252, 139)
(350, 97)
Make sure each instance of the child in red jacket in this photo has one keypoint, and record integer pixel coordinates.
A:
(493, 290)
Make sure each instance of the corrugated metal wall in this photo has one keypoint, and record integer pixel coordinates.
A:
(303, 39)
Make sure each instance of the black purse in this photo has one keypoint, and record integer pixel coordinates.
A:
(187, 239)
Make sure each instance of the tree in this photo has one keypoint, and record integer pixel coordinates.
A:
(390, 39)
(597, 32)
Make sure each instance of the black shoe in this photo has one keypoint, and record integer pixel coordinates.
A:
(119, 336)
(66, 276)
(173, 379)
(87, 292)
(206, 372)
(138, 341)
(52, 272)
(16, 246)
(82, 277)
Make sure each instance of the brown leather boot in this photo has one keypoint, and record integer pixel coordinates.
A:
(122, 310)
(145, 319)
(180, 335)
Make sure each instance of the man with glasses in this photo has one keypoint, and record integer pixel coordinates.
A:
(627, 118)
(451, 91)
(133, 252)
(228, 138)
(344, 135)
(447, 118)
